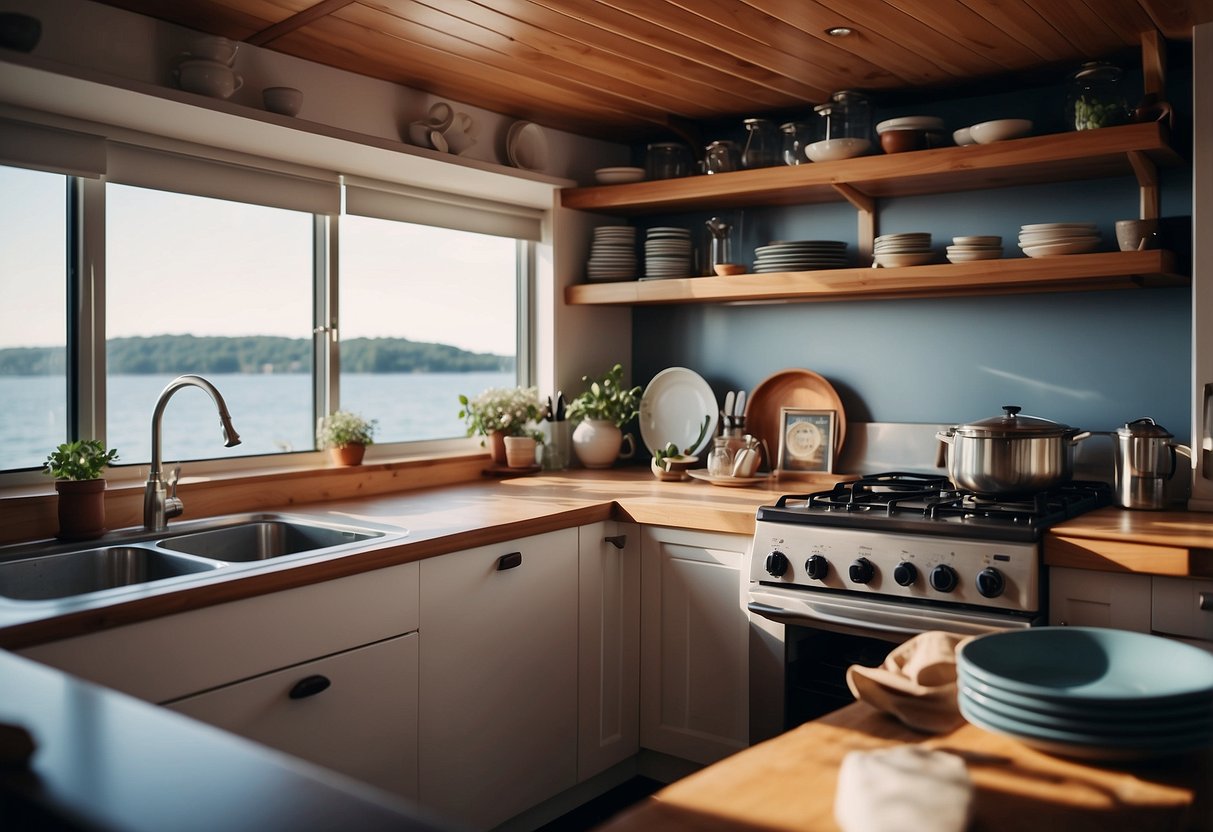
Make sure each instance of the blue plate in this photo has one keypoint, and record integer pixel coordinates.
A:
(1199, 708)
(1089, 664)
(1121, 728)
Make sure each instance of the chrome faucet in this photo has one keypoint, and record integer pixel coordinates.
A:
(158, 504)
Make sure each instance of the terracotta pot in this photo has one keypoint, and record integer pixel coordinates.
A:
(81, 509)
(347, 454)
(597, 443)
(497, 448)
(520, 451)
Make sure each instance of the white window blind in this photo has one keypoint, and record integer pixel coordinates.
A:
(167, 171)
(403, 203)
(51, 149)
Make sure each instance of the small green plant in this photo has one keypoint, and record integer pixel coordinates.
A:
(345, 428)
(671, 450)
(607, 398)
(83, 459)
(504, 410)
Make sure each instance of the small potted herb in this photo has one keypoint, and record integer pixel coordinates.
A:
(602, 409)
(346, 436)
(77, 468)
(501, 413)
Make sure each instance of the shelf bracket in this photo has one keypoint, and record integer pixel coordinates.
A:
(1154, 64)
(1147, 180)
(866, 206)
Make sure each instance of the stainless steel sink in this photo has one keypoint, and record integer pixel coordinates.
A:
(264, 539)
(92, 570)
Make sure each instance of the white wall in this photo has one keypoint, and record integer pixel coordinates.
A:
(1202, 265)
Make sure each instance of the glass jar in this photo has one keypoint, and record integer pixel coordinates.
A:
(722, 157)
(667, 160)
(796, 137)
(720, 458)
(847, 115)
(761, 144)
(1095, 98)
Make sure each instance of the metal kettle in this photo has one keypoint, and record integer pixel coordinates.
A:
(1144, 462)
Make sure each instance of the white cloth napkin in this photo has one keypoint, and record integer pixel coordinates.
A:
(916, 683)
(907, 788)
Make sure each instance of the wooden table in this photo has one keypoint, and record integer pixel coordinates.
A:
(788, 783)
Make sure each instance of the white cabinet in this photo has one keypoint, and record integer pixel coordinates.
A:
(694, 638)
(1086, 598)
(355, 712)
(498, 675)
(608, 656)
(1183, 607)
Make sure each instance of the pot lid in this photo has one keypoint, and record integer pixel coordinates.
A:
(1144, 428)
(1013, 424)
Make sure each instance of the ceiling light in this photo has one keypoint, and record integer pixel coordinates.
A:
(840, 31)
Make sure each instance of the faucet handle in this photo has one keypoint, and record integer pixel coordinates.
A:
(173, 507)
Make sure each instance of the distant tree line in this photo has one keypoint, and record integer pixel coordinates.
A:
(165, 354)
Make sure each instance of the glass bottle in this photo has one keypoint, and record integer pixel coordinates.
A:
(1095, 98)
(720, 458)
(761, 144)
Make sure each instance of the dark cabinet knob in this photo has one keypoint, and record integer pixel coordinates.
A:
(777, 564)
(817, 567)
(905, 573)
(862, 571)
(943, 578)
(309, 686)
(990, 583)
(510, 561)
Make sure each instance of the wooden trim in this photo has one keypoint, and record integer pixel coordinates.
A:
(1147, 180)
(1124, 556)
(1154, 64)
(866, 206)
(296, 21)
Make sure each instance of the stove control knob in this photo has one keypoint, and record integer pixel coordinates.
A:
(990, 583)
(817, 567)
(777, 564)
(905, 573)
(943, 578)
(862, 571)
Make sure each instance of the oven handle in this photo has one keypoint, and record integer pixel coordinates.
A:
(785, 616)
(879, 620)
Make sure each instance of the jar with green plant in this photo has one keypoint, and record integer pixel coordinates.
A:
(601, 410)
(77, 468)
(346, 436)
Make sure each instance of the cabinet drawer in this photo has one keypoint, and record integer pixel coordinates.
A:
(1086, 598)
(1183, 607)
(364, 723)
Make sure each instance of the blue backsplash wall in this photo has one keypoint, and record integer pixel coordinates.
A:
(1093, 360)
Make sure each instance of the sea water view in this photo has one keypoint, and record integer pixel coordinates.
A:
(272, 412)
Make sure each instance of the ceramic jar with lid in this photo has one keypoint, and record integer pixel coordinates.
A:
(1095, 98)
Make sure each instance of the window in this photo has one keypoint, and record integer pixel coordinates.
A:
(214, 287)
(425, 314)
(33, 315)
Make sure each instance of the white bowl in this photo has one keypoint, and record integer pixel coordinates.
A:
(831, 150)
(893, 261)
(213, 48)
(618, 175)
(963, 136)
(212, 78)
(1000, 130)
(284, 100)
(910, 123)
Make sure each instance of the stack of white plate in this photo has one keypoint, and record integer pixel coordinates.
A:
(909, 249)
(966, 249)
(612, 253)
(800, 256)
(1046, 239)
(1089, 692)
(667, 253)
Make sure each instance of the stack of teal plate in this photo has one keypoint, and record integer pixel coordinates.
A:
(1089, 692)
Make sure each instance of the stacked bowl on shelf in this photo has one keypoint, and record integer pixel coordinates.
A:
(1046, 239)
(612, 253)
(667, 253)
(1089, 692)
(206, 67)
(908, 249)
(976, 247)
(800, 256)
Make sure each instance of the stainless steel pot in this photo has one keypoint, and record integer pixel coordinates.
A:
(1011, 454)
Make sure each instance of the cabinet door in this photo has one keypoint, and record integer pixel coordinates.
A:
(694, 689)
(1183, 607)
(608, 633)
(1085, 598)
(363, 723)
(499, 678)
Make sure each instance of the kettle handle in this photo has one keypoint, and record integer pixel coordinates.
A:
(1182, 450)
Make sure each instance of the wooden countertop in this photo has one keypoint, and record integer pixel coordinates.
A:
(1177, 543)
(788, 783)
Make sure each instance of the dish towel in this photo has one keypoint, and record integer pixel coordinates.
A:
(901, 789)
(916, 683)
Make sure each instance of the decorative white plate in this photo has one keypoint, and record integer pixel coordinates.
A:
(618, 175)
(526, 146)
(729, 482)
(1051, 249)
(673, 408)
(970, 256)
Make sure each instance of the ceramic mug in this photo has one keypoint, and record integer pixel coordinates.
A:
(1137, 235)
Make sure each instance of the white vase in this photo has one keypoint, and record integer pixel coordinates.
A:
(597, 443)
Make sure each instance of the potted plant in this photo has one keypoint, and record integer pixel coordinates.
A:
(602, 409)
(346, 436)
(76, 467)
(501, 412)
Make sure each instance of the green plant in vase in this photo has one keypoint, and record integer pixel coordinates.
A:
(77, 468)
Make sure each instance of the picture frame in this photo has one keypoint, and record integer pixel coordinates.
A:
(806, 441)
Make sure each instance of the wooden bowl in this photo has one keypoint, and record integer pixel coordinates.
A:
(901, 141)
(723, 269)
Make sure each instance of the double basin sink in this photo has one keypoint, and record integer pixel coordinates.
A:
(59, 571)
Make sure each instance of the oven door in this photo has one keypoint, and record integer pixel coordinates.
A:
(803, 641)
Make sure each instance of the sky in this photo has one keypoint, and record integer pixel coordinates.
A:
(178, 264)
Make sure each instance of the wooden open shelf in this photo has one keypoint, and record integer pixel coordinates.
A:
(1066, 273)
(1085, 154)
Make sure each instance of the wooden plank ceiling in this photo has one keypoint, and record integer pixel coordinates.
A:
(632, 68)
